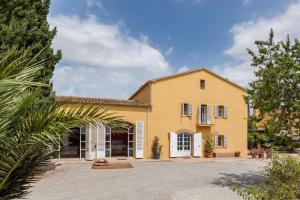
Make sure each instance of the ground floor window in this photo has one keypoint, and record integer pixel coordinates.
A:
(183, 142)
(219, 140)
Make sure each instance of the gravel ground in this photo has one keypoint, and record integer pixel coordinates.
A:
(180, 179)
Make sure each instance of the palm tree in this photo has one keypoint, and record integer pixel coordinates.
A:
(31, 123)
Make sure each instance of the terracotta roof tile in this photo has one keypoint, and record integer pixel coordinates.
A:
(103, 101)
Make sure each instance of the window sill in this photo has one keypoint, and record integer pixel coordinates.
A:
(221, 147)
(205, 124)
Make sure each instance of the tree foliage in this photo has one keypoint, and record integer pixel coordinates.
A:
(31, 124)
(276, 90)
(23, 25)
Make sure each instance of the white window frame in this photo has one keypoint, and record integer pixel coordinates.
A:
(186, 109)
(220, 111)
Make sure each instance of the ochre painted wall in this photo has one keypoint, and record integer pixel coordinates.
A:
(144, 95)
(167, 96)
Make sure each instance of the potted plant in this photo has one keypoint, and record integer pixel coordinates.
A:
(208, 148)
(254, 153)
(156, 148)
(237, 154)
(261, 154)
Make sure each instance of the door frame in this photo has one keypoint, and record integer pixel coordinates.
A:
(184, 153)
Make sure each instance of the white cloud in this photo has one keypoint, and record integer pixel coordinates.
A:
(239, 72)
(169, 51)
(92, 3)
(244, 34)
(102, 59)
(183, 69)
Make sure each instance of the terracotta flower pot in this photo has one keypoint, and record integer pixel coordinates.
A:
(261, 155)
(237, 154)
(254, 155)
(208, 154)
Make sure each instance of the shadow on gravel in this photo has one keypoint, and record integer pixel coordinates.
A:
(238, 180)
(45, 167)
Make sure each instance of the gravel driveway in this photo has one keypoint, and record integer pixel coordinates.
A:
(180, 179)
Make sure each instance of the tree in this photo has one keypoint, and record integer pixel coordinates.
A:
(276, 90)
(23, 25)
(30, 125)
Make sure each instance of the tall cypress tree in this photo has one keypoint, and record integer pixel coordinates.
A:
(23, 25)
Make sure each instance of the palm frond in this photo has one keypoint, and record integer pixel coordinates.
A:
(31, 124)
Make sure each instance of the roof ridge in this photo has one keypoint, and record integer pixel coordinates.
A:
(104, 101)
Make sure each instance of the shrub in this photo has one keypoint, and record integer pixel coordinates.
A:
(282, 181)
(156, 148)
(208, 147)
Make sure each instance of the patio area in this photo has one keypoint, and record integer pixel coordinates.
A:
(174, 179)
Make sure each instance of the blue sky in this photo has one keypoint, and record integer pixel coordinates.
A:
(110, 47)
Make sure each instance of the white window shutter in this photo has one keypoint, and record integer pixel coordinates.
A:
(216, 111)
(225, 142)
(87, 142)
(216, 140)
(225, 111)
(209, 121)
(190, 109)
(197, 145)
(139, 139)
(101, 141)
(93, 142)
(173, 145)
(199, 114)
(182, 109)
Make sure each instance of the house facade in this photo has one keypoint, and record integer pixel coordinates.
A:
(182, 110)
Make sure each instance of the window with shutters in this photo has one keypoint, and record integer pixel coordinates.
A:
(186, 109)
(221, 141)
(204, 114)
(221, 111)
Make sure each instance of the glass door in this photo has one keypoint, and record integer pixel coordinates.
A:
(82, 142)
(130, 141)
(107, 141)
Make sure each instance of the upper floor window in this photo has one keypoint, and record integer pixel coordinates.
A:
(221, 111)
(202, 84)
(186, 109)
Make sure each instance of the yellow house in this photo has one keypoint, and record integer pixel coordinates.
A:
(181, 110)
